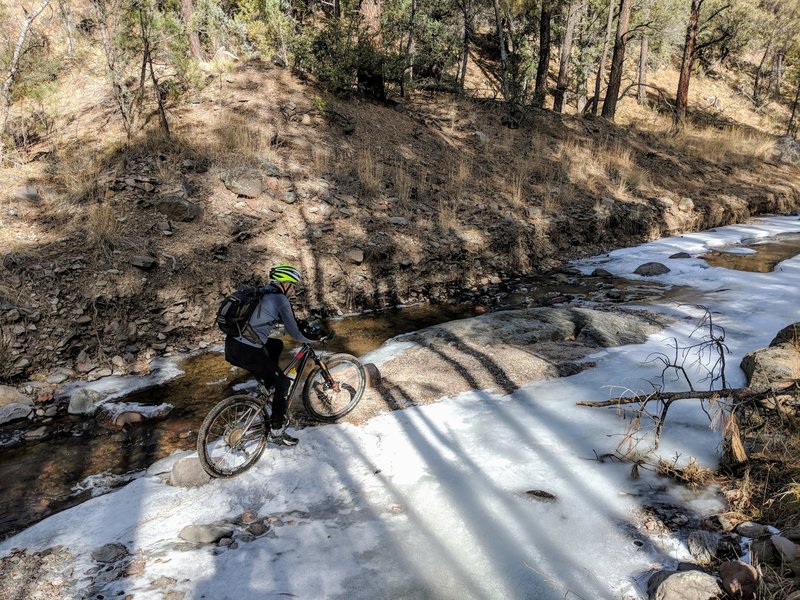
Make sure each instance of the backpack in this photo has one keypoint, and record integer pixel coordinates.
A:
(234, 312)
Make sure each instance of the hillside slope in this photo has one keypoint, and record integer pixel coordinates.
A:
(119, 251)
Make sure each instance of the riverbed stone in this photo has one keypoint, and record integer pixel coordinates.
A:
(85, 401)
(188, 472)
(752, 529)
(11, 395)
(651, 269)
(373, 375)
(703, 545)
(14, 404)
(767, 367)
(204, 534)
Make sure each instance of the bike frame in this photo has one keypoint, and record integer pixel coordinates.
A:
(299, 362)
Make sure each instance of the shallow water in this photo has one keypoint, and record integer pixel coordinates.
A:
(764, 255)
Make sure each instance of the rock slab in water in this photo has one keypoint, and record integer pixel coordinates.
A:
(188, 472)
(84, 401)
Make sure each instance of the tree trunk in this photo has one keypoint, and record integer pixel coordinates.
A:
(66, 14)
(581, 77)
(410, 48)
(187, 10)
(617, 60)
(778, 73)
(565, 60)
(465, 48)
(370, 76)
(13, 65)
(682, 96)
(757, 83)
(540, 90)
(641, 93)
(792, 128)
(603, 58)
(503, 54)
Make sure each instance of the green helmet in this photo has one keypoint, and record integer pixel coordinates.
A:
(285, 273)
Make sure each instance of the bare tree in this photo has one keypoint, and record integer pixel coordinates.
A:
(617, 60)
(503, 53)
(598, 82)
(13, 65)
(565, 60)
(66, 14)
(540, 89)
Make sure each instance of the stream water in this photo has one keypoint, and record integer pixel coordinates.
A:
(79, 458)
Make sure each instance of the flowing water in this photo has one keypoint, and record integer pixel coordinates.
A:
(80, 458)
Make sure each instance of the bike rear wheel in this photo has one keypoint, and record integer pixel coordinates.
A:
(233, 436)
(329, 400)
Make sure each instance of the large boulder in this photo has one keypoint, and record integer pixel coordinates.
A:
(769, 368)
(651, 269)
(739, 580)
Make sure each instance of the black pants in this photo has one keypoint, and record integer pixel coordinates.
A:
(263, 364)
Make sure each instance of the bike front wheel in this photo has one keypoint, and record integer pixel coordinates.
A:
(333, 392)
(233, 436)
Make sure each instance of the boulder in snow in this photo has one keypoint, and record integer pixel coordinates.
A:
(188, 472)
(651, 269)
(204, 534)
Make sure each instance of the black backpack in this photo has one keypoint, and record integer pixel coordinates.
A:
(234, 312)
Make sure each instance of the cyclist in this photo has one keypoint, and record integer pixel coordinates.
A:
(258, 353)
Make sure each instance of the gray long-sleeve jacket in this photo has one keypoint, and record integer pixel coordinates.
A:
(273, 309)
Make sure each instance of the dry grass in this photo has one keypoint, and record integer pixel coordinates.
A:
(77, 175)
(773, 584)
(692, 475)
(448, 214)
(403, 184)
(323, 160)
(517, 182)
(243, 141)
(103, 227)
(369, 171)
(602, 167)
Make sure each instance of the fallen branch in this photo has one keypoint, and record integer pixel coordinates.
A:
(736, 394)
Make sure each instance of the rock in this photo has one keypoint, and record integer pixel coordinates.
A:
(84, 401)
(739, 580)
(686, 204)
(289, 198)
(26, 194)
(257, 529)
(481, 137)
(11, 395)
(355, 255)
(752, 530)
(681, 255)
(651, 269)
(601, 273)
(398, 220)
(244, 182)
(165, 464)
(373, 375)
(788, 335)
(36, 434)
(688, 585)
(788, 550)
(703, 545)
(278, 61)
(179, 209)
(656, 579)
(188, 472)
(144, 262)
(542, 495)
(109, 553)
(771, 366)
(204, 534)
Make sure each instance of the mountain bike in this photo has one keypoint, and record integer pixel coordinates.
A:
(233, 435)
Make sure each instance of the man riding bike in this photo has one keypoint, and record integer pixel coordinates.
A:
(258, 353)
